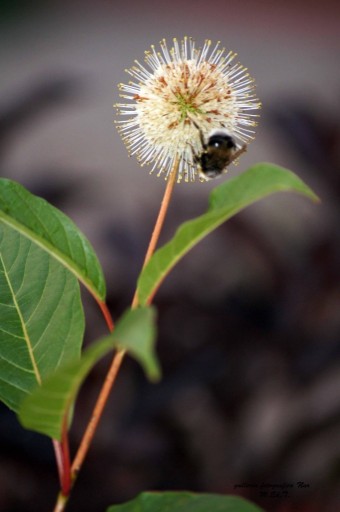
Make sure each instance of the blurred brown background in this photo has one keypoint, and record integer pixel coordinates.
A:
(249, 322)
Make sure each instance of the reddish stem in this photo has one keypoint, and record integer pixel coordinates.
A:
(106, 314)
(66, 487)
(97, 413)
(159, 224)
(59, 459)
(62, 454)
(116, 361)
(119, 356)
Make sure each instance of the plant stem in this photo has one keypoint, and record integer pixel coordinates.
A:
(61, 503)
(62, 454)
(97, 413)
(58, 452)
(106, 314)
(119, 355)
(159, 222)
(67, 484)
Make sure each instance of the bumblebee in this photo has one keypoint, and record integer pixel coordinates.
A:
(217, 153)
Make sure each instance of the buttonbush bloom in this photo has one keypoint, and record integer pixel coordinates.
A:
(178, 90)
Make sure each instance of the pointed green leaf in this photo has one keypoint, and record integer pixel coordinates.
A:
(185, 502)
(41, 316)
(44, 410)
(137, 337)
(53, 231)
(225, 201)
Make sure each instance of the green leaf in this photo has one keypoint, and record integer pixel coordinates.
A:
(49, 228)
(44, 410)
(41, 316)
(138, 338)
(185, 502)
(225, 201)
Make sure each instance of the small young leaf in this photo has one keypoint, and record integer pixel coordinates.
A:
(225, 201)
(44, 410)
(53, 231)
(136, 333)
(185, 502)
(41, 316)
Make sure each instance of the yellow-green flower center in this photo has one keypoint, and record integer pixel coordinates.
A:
(186, 106)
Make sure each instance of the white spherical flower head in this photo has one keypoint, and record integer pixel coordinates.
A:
(178, 98)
